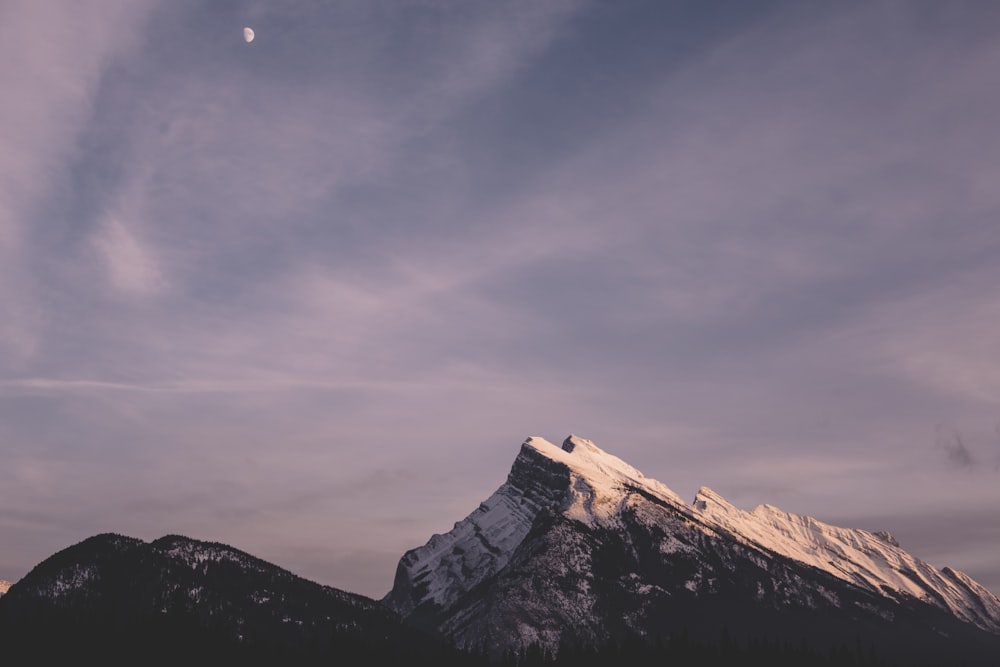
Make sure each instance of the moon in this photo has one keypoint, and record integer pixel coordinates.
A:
(248, 34)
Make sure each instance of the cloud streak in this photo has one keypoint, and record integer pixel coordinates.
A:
(51, 59)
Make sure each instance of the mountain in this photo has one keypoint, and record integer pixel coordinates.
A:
(4, 586)
(578, 548)
(176, 600)
(577, 553)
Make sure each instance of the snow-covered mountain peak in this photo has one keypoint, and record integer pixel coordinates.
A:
(598, 481)
(585, 485)
(578, 479)
(585, 452)
(887, 537)
(580, 454)
(710, 502)
(4, 586)
(584, 448)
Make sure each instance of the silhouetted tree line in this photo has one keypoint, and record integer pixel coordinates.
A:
(680, 650)
(178, 638)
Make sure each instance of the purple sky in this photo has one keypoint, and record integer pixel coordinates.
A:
(307, 296)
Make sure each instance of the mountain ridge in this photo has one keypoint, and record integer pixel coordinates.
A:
(468, 583)
(576, 550)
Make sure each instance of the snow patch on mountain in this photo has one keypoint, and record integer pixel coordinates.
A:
(70, 580)
(196, 554)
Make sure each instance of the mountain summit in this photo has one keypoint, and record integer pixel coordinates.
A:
(579, 547)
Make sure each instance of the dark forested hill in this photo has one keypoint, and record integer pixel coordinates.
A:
(119, 600)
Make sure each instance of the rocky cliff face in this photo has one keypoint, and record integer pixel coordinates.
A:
(579, 547)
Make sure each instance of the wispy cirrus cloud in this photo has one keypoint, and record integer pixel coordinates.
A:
(131, 267)
(52, 58)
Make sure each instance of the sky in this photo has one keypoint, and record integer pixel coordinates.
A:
(307, 295)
